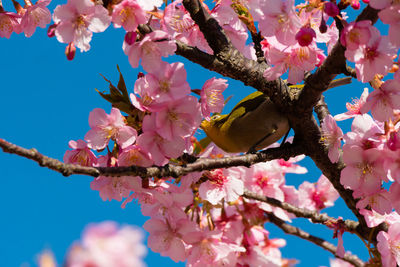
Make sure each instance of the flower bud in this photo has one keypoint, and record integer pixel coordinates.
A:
(70, 51)
(322, 27)
(51, 31)
(130, 37)
(331, 9)
(355, 4)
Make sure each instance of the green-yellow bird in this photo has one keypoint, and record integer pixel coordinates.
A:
(254, 123)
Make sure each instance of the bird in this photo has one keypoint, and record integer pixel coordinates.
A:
(253, 124)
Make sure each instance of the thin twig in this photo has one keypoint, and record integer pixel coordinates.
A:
(292, 230)
(44, 161)
(314, 216)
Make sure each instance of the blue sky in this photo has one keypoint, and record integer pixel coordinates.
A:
(45, 102)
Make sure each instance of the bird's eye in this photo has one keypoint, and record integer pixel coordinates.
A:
(215, 117)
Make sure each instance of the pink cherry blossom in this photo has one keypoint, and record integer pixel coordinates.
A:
(212, 100)
(389, 245)
(166, 237)
(180, 118)
(233, 27)
(331, 136)
(353, 108)
(36, 15)
(77, 20)
(390, 15)
(222, 184)
(158, 88)
(280, 20)
(209, 250)
(373, 218)
(365, 132)
(128, 14)
(170, 202)
(318, 196)
(134, 155)
(291, 194)
(81, 154)
(117, 188)
(266, 253)
(106, 127)
(150, 49)
(105, 244)
(9, 23)
(364, 170)
(160, 149)
(375, 57)
(383, 101)
(289, 166)
(297, 59)
(379, 202)
(356, 34)
(178, 23)
(262, 179)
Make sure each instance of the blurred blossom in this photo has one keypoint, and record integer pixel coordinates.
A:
(105, 244)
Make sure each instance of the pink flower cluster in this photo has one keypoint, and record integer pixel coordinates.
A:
(165, 134)
(202, 218)
(26, 20)
(371, 52)
(372, 172)
(229, 230)
(291, 38)
(105, 244)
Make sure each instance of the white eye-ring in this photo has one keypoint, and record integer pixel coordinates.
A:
(215, 117)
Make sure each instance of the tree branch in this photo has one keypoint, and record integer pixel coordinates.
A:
(314, 216)
(292, 230)
(321, 108)
(216, 38)
(286, 151)
(44, 161)
(297, 105)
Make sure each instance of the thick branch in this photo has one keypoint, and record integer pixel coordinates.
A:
(215, 36)
(168, 170)
(321, 108)
(292, 230)
(314, 216)
(231, 62)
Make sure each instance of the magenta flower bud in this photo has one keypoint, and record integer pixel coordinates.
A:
(51, 31)
(322, 27)
(355, 4)
(331, 9)
(70, 51)
(130, 38)
(305, 36)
